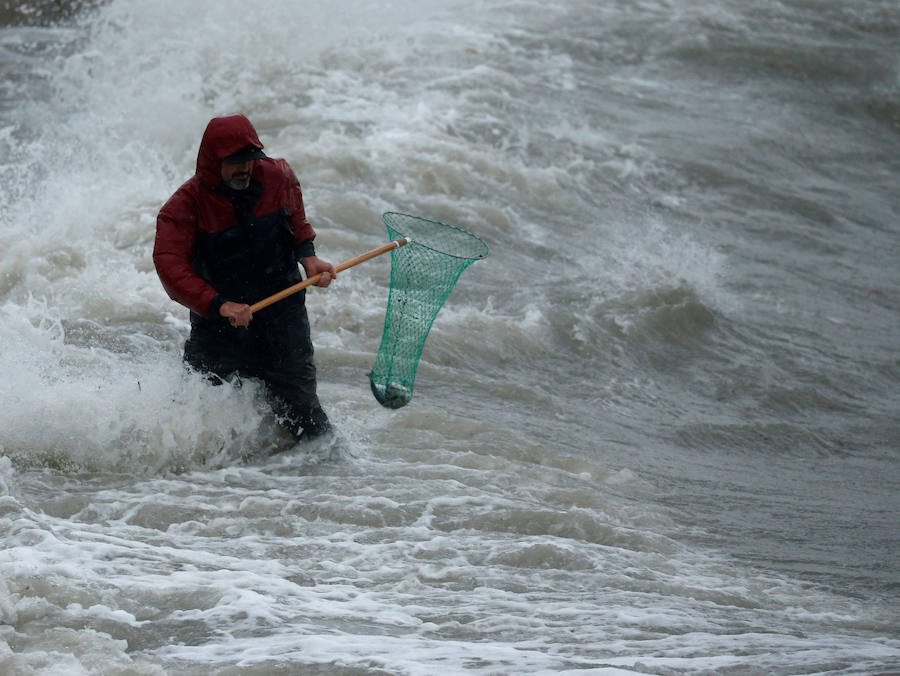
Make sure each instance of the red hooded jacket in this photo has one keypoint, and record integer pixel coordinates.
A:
(199, 208)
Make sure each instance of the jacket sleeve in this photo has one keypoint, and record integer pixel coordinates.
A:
(303, 231)
(173, 253)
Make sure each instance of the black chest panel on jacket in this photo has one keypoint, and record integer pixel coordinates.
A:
(252, 259)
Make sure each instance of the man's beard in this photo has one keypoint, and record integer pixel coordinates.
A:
(239, 183)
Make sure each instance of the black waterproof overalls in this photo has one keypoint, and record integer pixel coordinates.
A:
(246, 263)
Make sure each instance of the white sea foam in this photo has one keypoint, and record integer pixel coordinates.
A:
(539, 507)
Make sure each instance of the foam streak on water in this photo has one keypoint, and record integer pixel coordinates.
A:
(655, 432)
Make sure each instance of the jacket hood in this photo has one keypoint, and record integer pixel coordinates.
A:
(224, 136)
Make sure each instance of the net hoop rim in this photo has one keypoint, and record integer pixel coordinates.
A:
(412, 240)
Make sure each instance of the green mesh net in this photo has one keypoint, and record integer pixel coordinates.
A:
(423, 273)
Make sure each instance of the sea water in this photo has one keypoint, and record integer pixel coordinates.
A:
(655, 431)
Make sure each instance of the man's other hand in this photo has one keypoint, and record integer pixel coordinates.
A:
(313, 265)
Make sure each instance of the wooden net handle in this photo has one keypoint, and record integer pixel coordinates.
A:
(362, 258)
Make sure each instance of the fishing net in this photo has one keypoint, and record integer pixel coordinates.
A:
(423, 273)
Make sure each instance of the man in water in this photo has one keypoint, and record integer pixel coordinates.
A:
(232, 235)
